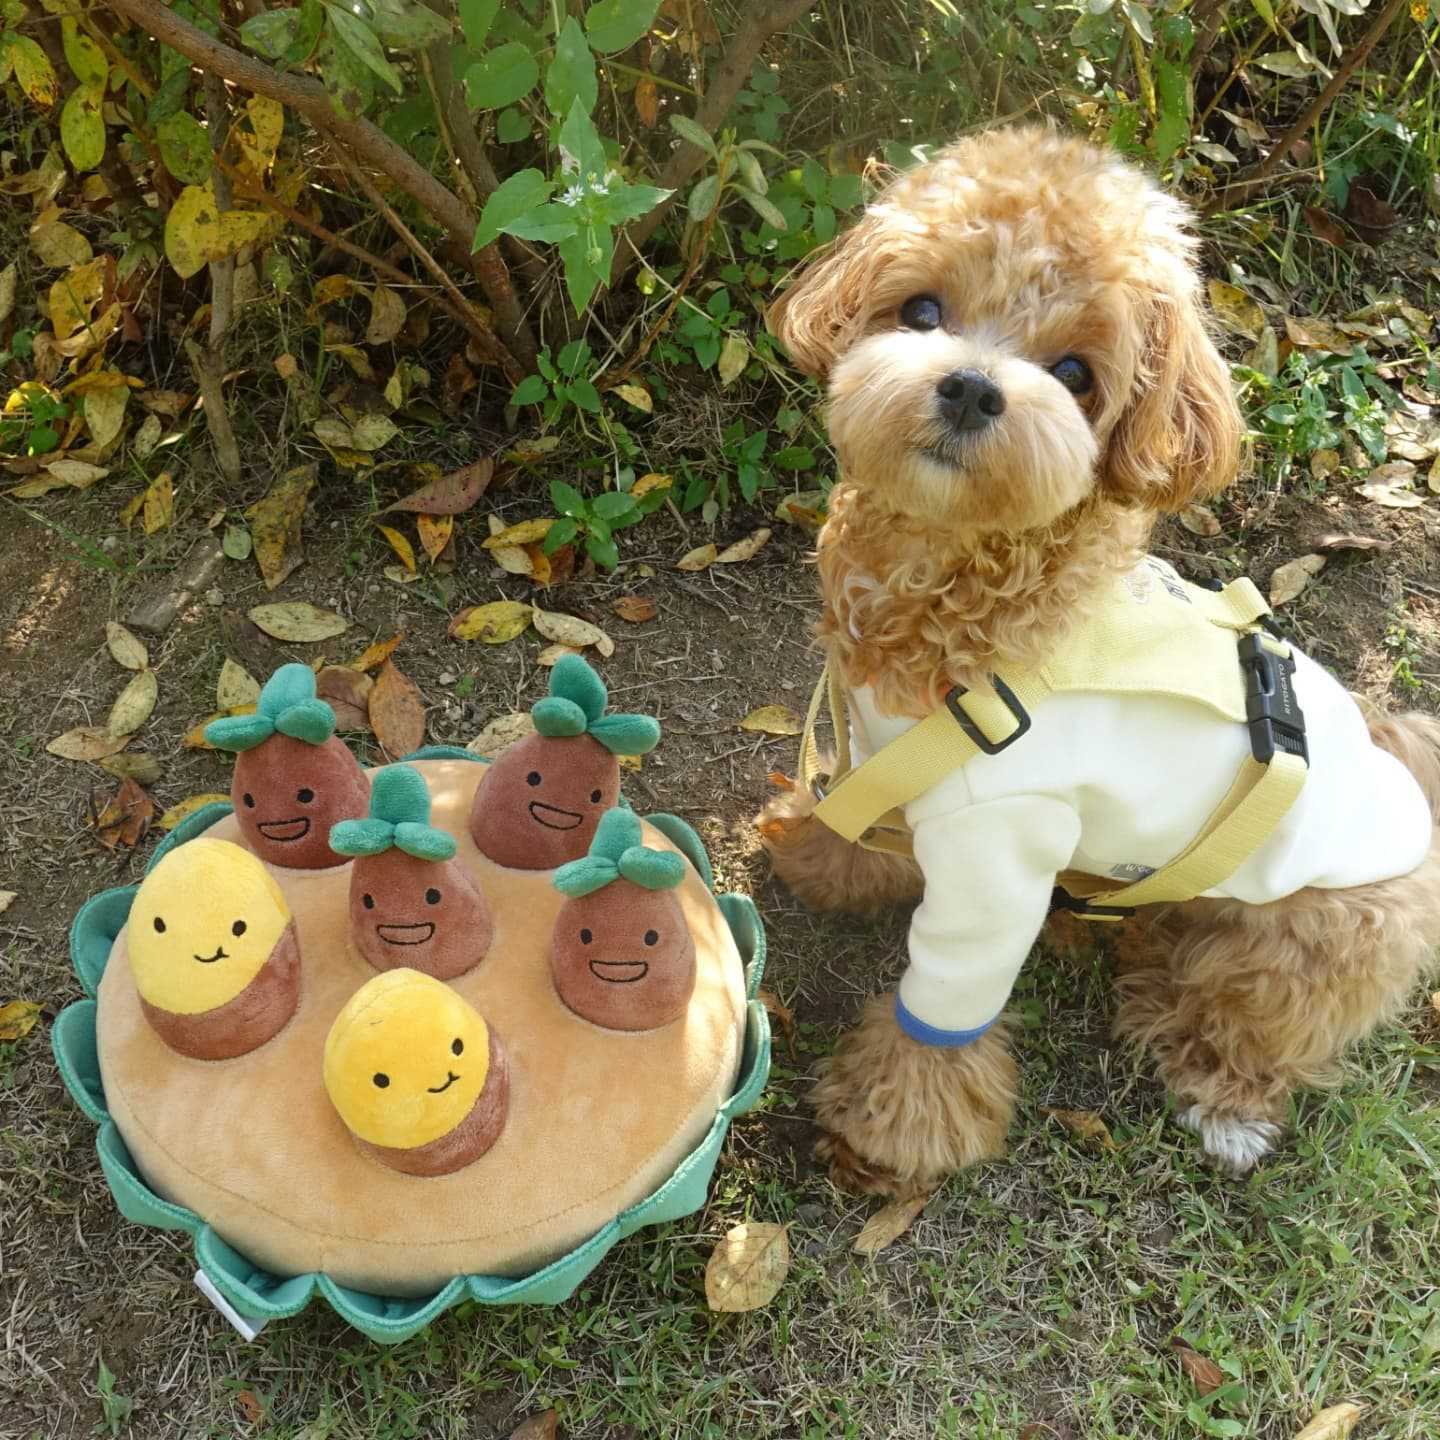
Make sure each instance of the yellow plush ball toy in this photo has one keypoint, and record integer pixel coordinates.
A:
(213, 951)
(416, 1074)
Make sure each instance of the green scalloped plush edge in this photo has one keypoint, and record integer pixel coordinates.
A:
(384, 1319)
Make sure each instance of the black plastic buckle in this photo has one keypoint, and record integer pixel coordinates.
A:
(1061, 899)
(1274, 717)
(1006, 694)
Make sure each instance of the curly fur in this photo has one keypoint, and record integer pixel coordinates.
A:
(946, 555)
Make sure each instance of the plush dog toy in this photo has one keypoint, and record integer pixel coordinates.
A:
(1019, 381)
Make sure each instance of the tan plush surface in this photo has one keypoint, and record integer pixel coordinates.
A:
(597, 1119)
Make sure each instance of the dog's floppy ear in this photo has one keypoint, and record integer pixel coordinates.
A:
(1179, 438)
(818, 316)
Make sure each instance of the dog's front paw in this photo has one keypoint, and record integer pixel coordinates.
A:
(900, 1116)
(1235, 1143)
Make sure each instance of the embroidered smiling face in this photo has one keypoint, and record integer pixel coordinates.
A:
(539, 805)
(406, 1060)
(203, 925)
(287, 794)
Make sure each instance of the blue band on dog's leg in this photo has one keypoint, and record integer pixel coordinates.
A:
(917, 1029)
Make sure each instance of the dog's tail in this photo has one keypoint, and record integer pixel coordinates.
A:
(1413, 738)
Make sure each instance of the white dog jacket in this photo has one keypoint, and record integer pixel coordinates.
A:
(1119, 761)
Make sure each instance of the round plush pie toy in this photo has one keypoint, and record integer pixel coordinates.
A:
(621, 954)
(213, 952)
(411, 905)
(462, 1050)
(293, 778)
(417, 1076)
(543, 798)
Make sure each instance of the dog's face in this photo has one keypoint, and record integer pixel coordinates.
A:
(1011, 327)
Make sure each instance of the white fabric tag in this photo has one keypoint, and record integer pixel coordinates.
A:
(246, 1325)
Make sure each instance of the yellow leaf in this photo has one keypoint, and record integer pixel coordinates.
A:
(186, 808)
(92, 336)
(87, 742)
(638, 396)
(73, 298)
(355, 358)
(400, 545)
(387, 316)
(137, 766)
(435, 532)
(646, 483)
(1084, 1125)
(370, 432)
(259, 144)
(773, 720)
(105, 412)
(33, 71)
(298, 620)
(18, 1017)
(889, 1223)
(527, 532)
(698, 558)
(551, 653)
(571, 630)
(146, 438)
(493, 624)
(78, 474)
(1289, 580)
(125, 648)
(501, 733)
(329, 290)
(1236, 310)
(747, 1267)
(158, 503)
(746, 549)
(194, 738)
(133, 705)
(236, 686)
(805, 509)
(1333, 1423)
(58, 244)
(377, 654)
(275, 523)
(734, 356)
(192, 230)
(1315, 334)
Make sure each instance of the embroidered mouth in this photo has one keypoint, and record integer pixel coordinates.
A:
(562, 819)
(416, 934)
(295, 829)
(211, 959)
(619, 972)
(451, 1078)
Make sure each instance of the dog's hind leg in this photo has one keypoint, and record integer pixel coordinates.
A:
(826, 871)
(1241, 1004)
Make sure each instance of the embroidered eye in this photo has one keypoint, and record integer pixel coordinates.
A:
(159, 926)
(457, 1047)
(249, 801)
(368, 901)
(594, 797)
(652, 937)
(533, 778)
(921, 312)
(1074, 374)
(381, 1079)
(586, 937)
(305, 796)
(432, 897)
(238, 929)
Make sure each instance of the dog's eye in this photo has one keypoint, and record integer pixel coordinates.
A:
(921, 312)
(1074, 374)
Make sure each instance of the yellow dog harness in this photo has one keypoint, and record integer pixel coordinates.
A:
(1156, 635)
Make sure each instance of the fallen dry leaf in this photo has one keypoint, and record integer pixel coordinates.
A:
(275, 524)
(133, 705)
(571, 630)
(551, 653)
(501, 732)
(636, 395)
(698, 558)
(7, 899)
(1084, 1125)
(773, 720)
(139, 766)
(734, 356)
(87, 742)
(747, 1267)
(451, 494)
(397, 713)
(527, 532)
(18, 1019)
(186, 808)
(544, 1426)
(1199, 520)
(249, 1402)
(496, 623)
(1332, 1423)
(1392, 472)
(347, 692)
(1313, 333)
(781, 1014)
(1352, 542)
(1324, 226)
(780, 780)
(1289, 580)
(805, 510)
(1368, 213)
(1324, 464)
(194, 738)
(236, 686)
(1206, 1374)
(634, 609)
(746, 549)
(299, 621)
(436, 532)
(157, 504)
(387, 316)
(374, 656)
(125, 648)
(1393, 497)
(400, 545)
(889, 1223)
(652, 480)
(126, 818)
(1236, 310)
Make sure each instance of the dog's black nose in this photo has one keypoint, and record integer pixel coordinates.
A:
(969, 400)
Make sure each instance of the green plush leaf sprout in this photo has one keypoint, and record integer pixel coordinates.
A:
(576, 706)
(399, 819)
(617, 853)
(287, 706)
